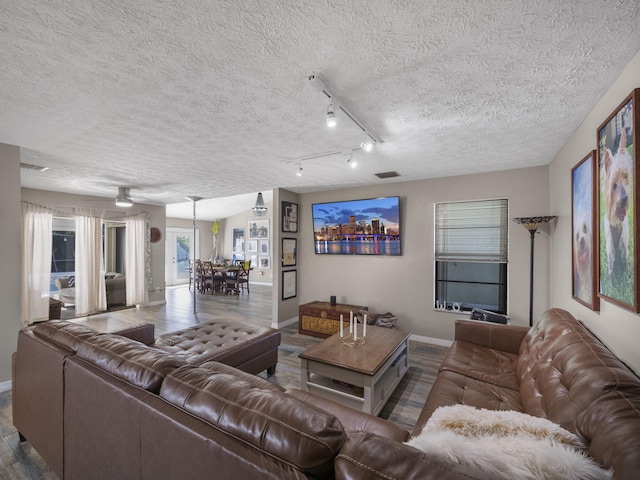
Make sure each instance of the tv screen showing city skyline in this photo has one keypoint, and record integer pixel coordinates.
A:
(357, 227)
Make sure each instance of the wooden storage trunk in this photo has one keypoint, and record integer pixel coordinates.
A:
(321, 319)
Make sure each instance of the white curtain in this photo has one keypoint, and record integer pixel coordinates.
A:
(136, 259)
(37, 232)
(90, 285)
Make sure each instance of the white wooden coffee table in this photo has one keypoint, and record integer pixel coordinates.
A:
(359, 377)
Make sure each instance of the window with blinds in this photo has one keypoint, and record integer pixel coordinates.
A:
(471, 253)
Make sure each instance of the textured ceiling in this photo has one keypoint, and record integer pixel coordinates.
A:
(176, 97)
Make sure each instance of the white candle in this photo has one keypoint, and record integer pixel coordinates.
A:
(355, 330)
(364, 328)
(351, 322)
(341, 333)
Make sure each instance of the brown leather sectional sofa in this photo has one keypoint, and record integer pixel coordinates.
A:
(130, 410)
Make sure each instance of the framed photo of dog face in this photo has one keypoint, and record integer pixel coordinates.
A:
(617, 204)
(583, 241)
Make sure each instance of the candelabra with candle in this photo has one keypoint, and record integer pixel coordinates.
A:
(352, 339)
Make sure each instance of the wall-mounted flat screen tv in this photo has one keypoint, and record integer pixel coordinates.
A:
(357, 227)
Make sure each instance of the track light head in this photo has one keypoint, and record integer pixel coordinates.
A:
(299, 172)
(352, 162)
(331, 116)
(367, 144)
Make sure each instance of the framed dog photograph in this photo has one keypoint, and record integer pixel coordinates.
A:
(617, 203)
(583, 240)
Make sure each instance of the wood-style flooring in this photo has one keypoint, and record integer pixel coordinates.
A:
(19, 461)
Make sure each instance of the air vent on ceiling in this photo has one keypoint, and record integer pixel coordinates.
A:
(37, 168)
(387, 174)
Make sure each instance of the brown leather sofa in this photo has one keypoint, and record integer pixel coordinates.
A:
(136, 411)
(556, 370)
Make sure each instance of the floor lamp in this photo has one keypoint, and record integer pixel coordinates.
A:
(194, 199)
(532, 224)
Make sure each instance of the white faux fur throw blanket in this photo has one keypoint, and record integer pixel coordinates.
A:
(505, 445)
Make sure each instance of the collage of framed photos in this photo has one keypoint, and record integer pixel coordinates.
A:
(289, 250)
(258, 250)
(603, 213)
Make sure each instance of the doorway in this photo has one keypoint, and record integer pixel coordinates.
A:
(178, 252)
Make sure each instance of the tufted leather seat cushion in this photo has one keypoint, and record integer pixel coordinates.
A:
(254, 413)
(233, 343)
(451, 388)
(486, 364)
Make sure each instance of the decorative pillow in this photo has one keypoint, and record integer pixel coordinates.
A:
(505, 445)
(71, 281)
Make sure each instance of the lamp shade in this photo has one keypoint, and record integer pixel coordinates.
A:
(532, 223)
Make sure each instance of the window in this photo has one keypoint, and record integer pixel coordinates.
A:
(471, 255)
(63, 251)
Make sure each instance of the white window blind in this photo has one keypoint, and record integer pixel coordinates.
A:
(475, 231)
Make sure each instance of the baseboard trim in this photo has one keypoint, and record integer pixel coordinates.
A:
(286, 323)
(434, 341)
(5, 386)
(153, 304)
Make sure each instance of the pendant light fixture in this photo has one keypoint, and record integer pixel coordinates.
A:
(259, 209)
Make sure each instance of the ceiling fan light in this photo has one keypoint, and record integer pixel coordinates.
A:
(122, 201)
(331, 116)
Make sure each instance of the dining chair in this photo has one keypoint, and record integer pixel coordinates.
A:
(237, 282)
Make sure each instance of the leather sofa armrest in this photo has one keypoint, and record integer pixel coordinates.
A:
(353, 421)
(141, 333)
(371, 457)
(506, 338)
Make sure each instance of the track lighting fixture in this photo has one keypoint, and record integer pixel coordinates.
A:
(299, 172)
(331, 116)
(335, 104)
(367, 144)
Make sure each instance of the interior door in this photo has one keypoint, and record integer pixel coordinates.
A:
(178, 245)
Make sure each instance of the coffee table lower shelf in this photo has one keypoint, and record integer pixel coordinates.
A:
(354, 389)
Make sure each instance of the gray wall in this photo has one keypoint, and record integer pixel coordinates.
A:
(617, 327)
(283, 310)
(10, 256)
(404, 285)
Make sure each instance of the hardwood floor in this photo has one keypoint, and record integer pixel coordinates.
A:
(19, 461)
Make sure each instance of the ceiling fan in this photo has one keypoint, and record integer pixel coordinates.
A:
(126, 200)
(123, 199)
